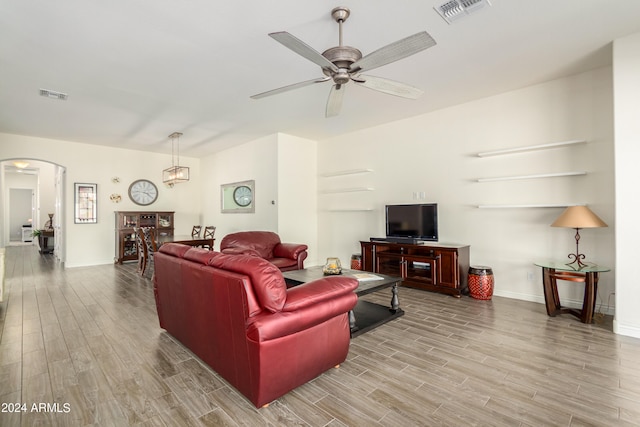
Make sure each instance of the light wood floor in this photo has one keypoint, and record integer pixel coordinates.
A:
(87, 339)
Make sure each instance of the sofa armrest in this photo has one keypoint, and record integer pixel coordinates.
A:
(307, 305)
(318, 291)
(289, 250)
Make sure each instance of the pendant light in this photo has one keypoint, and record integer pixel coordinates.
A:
(176, 173)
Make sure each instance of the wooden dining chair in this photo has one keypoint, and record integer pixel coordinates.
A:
(149, 249)
(142, 251)
(209, 232)
(195, 231)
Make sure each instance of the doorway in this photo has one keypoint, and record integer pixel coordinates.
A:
(45, 183)
(21, 202)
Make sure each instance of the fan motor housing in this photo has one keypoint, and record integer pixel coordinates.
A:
(342, 56)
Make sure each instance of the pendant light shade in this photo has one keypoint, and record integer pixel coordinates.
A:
(176, 173)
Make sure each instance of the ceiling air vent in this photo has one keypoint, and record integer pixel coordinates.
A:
(53, 94)
(456, 9)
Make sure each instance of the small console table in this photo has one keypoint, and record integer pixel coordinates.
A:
(552, 271)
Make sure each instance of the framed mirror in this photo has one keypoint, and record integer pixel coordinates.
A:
(238, 197)
(86, 203)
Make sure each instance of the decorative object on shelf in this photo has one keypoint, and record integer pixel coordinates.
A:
(480, 282)
(115, 180)
(238, 197)
(49, 224)
(332, 267)
(143, 192)
(176, 173)
(578, 217)
(115, 198)
(86, 203)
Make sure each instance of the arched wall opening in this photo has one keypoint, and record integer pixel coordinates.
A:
(45, 181)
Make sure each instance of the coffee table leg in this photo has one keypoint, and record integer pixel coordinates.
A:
(352, 320)
(395, 302)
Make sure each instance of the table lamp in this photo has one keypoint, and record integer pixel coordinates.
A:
(578, 217)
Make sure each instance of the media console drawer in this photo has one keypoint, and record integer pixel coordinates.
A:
(433, 267)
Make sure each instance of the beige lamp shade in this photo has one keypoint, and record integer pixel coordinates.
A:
(578, 217)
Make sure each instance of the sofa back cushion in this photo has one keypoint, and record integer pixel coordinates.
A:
(262, 242)
(266, 279)
(200, 255)
(175, 249)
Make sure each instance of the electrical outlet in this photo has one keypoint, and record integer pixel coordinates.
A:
(530, 276)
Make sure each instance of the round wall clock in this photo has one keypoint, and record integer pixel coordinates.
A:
(143, 192)
(243, 196)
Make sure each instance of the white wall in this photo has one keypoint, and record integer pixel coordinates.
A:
(91, 244)
(297, 193)
(627, 130)
(435, 154)
(256, 160)
(284, 168)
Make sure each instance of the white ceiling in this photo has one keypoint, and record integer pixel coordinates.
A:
(136, 71)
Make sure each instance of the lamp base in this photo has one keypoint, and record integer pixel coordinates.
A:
(577, 260)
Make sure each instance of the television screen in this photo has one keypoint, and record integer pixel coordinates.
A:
(418, 222)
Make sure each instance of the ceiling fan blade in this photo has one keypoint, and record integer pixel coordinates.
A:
(290, 87)
(388, 86)
(394, 52)
(303, 49)
(334, 103)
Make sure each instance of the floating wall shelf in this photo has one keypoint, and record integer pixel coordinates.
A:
(543, 175)
(530, 148)
(346, 190)
(345, 172)
(552, 205)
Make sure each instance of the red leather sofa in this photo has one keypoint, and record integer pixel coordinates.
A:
(267, 245)
(236, 314)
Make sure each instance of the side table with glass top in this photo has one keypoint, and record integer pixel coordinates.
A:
(552, 271)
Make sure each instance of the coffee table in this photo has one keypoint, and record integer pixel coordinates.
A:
(365, 315)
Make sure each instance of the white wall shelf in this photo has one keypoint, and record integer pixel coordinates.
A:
(551, 205)
(346, 190)
(351, 210)
(536, 176)
(530, 148)
(345, 172)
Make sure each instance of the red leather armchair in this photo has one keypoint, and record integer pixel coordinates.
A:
(267, 245)
(236, 314)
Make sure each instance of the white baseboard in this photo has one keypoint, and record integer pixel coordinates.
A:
(565, 302)
(621, 329)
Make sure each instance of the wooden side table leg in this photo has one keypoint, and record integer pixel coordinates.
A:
(589, 303)
(551, 297)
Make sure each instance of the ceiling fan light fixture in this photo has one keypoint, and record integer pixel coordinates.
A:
(453, 10)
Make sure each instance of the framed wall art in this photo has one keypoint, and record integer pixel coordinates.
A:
(86, 203)
(238, 197)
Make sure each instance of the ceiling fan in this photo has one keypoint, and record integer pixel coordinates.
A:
(344, 63)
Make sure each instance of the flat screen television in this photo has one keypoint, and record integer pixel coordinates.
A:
(412, 222)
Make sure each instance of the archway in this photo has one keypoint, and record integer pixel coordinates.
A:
(47, 181)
